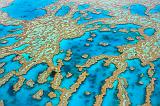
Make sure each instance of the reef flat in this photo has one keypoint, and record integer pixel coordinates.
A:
(79, 52)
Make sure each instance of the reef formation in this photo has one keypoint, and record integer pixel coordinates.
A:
(83, 52)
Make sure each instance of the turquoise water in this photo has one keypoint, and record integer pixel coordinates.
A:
(35, 70)
(76, 15)
(156, 9)
(133, 77)
(77, 45)
(111, 99)
(93, 16)
(114, 39)
(83, 6)
(9, 41)
(10, 64)
(101, 13)
(63, 11)
(10, 29)
(27, 9)
(149, 31)
(22, 47)
(97, 75)
(127, 26)
(7, 92)
(138, 9)
(27, 57)
(156, 93)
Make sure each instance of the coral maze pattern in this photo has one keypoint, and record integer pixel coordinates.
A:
(80, 52)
